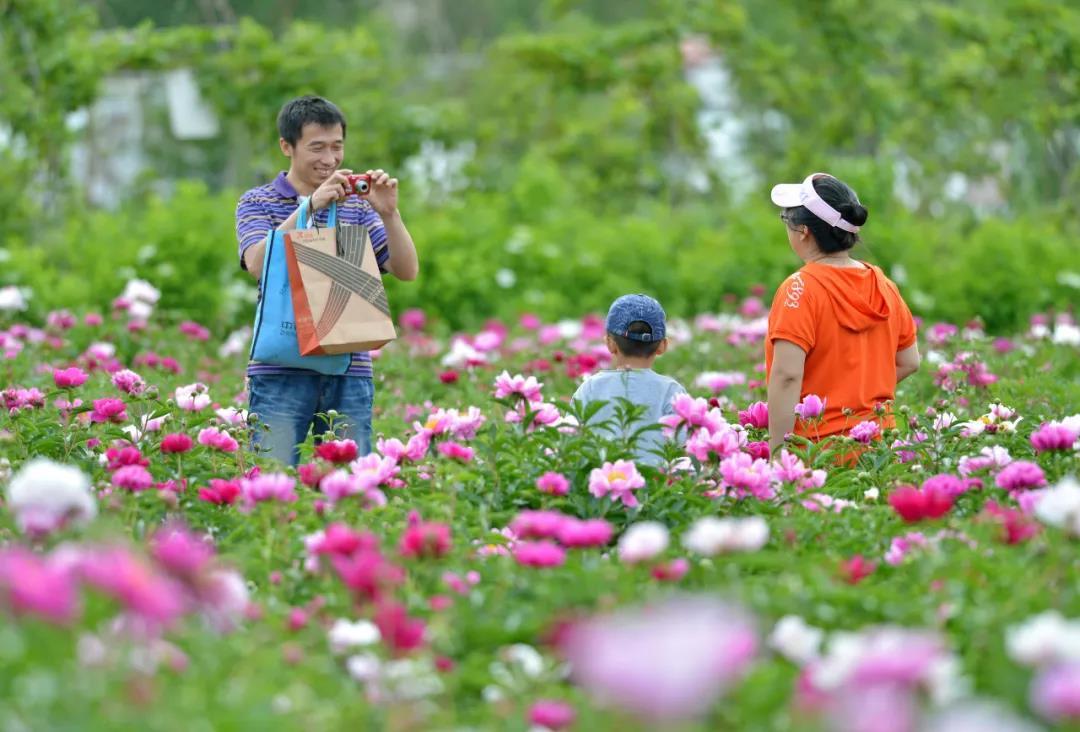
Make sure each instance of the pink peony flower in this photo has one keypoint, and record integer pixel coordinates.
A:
(129, 382)
(1053, 436)
(914, 505)
(756, 415)
(748, 476)
(527, 388)
(669, 661)
(177, 442)
(400, 632)
(155, 598)
(109, 410)
(182, 553)
(947, 484)
(539, 554)
(193, 397)
(551, 714)
(221, 492)
(689, 412)
(1016, 527)
(425, 539)
(217, 439)
(577, 534)
(456, 451)
(1055, 693)
(267, 487)
(722, 442)
(69, 378)
(1020, 475)
(134, 478)
(672, 571)
(337, 451)
(33, 585)
(811, 407)
(619, 480)
(412, 319)
(538, 524)
(855, 570)
(865, 432)
(552, 483)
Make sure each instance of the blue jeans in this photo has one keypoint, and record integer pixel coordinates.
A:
(292, 404)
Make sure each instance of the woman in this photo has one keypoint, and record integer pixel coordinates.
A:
(838, 327)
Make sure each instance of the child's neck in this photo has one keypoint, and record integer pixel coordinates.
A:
(619, 361)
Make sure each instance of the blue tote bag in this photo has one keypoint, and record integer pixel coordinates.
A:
(274, 340)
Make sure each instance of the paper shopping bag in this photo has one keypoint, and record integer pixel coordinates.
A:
(337, 291)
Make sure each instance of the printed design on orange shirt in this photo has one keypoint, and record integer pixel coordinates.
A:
(796, 287)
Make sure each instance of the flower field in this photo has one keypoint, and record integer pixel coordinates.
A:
(495, 564)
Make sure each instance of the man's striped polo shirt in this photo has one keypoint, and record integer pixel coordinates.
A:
(266, 207)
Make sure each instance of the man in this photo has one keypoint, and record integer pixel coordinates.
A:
(289, 400)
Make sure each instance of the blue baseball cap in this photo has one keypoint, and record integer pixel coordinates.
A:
(632, 308)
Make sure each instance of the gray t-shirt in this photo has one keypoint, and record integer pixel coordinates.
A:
(644, 387)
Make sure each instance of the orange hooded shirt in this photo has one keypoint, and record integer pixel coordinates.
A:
(851, 322)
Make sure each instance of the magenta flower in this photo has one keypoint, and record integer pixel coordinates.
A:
(669, 661)
(722, 442)
(551, 714)
(69, 378)
(337, 451)
(865, 432)
(539, 554)
(811, 407)
(946, 484)
(400, 632)
(217, 439)
(552, 483)
(528, 388)
(134, 478)
(181, 552)
(756, 415)
(412, 319)
(1053, 436)
(456, 451)
(425, 539)
(194, 331)
(268, 487)
(748, 476)
(1055, 693)
(538, 524)
(619, 480)
(32, 585)
(578, 534)
(176, 442)
(144, 592)
(129, 382)
(1020, 475)
(688, 412)
(109, 410)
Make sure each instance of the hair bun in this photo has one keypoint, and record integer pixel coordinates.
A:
(854, 213)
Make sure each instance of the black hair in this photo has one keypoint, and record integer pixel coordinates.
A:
(632, 348)
(839, 195)
(307, 110)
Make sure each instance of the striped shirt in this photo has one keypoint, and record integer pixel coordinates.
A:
(266, 207)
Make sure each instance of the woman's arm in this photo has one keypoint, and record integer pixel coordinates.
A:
(785, 386)
(907, 362)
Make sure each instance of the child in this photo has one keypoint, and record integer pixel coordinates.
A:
(635, 337)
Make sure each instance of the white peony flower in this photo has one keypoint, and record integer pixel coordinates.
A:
(710, 536)
(140, 291)
(643, 541)
(12, 298)
(1059, 506)
(796, 641)
(45, 496)
(345, 634)
(1044, 639)
(364, 667)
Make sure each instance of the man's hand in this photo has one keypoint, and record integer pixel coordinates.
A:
(334, 188)
(384, 193)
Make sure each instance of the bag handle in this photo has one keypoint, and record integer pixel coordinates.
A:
(304, 222)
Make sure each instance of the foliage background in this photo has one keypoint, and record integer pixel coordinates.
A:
(587, 174)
